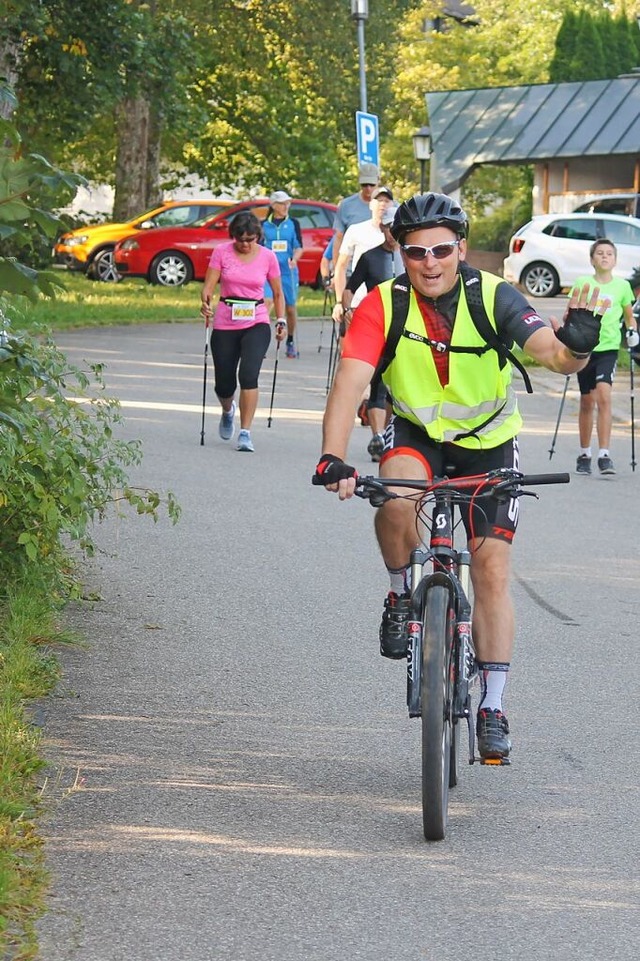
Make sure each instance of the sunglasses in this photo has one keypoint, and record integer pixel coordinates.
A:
(246, 240)
(439, 251)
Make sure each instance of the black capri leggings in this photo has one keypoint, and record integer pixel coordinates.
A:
(246, 347)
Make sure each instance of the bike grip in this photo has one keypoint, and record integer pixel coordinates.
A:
(530, 480)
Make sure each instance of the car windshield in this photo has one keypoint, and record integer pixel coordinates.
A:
(203, 221)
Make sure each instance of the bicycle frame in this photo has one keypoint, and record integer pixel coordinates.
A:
(452, 570)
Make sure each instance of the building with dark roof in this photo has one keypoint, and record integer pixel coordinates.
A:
(582, 138)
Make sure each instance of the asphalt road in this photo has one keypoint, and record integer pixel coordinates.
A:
(233, 774)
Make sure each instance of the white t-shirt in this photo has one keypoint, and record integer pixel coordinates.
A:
(357, 239)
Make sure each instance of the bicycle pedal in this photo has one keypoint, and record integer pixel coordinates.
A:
(494, 761)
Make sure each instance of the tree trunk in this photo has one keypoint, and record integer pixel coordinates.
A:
(132, 134)
(9, 58)
(154, 190)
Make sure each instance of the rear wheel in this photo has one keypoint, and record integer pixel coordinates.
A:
(171, 269)
(103, 267)
(540, 280)
(436, 702)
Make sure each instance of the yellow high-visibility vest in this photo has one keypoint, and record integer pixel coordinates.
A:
(479, 397)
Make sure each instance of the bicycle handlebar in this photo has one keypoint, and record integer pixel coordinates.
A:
(495, 481)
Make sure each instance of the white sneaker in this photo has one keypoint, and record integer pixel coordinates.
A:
(244, 441)
(227, 428)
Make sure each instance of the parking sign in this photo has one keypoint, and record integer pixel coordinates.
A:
(367, 138)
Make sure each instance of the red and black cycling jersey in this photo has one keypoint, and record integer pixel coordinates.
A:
(516, 320)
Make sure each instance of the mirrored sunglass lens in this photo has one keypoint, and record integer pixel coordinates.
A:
(440, 251)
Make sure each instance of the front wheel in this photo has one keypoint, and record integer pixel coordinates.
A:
(436, 700)
(103, 268)
(540, 280)
(171, 269)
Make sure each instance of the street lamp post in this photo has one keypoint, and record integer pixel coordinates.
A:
(422, 151)
(360, 13)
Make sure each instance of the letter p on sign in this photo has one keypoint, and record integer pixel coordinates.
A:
(367, 138)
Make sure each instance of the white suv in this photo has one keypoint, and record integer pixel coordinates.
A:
(548, 253)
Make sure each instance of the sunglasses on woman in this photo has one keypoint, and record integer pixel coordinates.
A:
(439, 251)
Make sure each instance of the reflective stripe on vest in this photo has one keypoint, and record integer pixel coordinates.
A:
(479, 397)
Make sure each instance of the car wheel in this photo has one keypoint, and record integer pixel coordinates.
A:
(103, 268)
(540, 280)
(170, 269)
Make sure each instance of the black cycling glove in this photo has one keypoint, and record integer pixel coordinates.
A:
(330, 470)
(581, 330)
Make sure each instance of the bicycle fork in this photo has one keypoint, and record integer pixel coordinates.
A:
(466, 670)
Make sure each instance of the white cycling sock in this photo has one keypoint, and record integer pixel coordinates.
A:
(493, 677)
(398, 580)
(603, 452)
(586, 451)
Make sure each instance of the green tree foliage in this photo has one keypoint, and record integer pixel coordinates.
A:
(594, 45)
(282, 90)
(627, 39)
(565, 47)
(60, 464)
(244, 92)
(588, 61)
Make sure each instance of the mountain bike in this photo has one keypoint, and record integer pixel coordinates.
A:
(441, 662)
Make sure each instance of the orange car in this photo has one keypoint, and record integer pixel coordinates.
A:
(90, 248)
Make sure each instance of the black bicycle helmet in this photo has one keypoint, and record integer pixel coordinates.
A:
(429, 210)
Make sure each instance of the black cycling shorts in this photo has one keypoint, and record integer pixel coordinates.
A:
(600, 370)
(489, 517)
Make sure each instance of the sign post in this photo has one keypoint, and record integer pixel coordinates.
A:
(367, 138)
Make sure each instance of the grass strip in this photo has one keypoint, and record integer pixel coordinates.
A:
(28, 670)
(90, 303)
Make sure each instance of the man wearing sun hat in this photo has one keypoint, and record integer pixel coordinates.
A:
(355, 208)
(360, 237)
(282, 235)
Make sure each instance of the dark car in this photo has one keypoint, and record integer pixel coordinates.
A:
(174, 256)
(626, 204)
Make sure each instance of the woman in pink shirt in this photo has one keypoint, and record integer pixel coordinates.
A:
(241, 330)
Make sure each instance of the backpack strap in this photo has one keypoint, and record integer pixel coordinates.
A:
(472, 280)
(400, 299)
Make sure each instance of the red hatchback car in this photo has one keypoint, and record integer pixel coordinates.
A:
(173, 256)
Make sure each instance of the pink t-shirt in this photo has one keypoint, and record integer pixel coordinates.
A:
(244, 281)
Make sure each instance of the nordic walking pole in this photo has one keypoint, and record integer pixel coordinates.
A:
(324, 311)
(633, 425)
(275, 372)
(332, 347)
(204, 380)
(336, 354)
(552, 449)
(328, 302)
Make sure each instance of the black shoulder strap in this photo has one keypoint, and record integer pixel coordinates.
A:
(472, 280)
(400, 298)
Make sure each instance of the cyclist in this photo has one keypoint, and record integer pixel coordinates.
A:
(454, 412)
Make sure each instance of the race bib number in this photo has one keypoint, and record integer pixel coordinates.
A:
(279, 246)
(243, 312)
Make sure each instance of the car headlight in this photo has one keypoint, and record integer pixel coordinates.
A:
(74, 241)
(131, 244)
